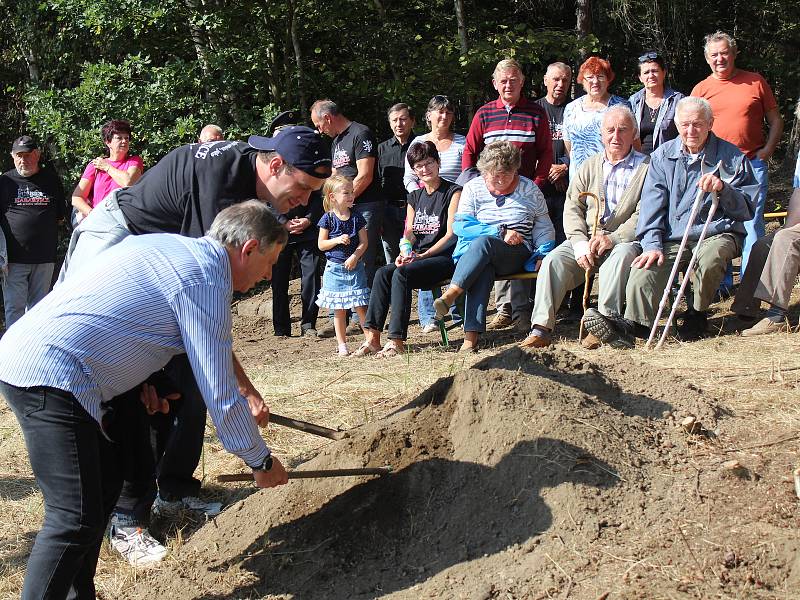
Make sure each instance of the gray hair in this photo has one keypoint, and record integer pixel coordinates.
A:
(621, 109)
(325, 107)
(210, 128)
(507, 64)
(248, 220)
(561, 66)
(499, 157)
(718, 36)
(701, 104)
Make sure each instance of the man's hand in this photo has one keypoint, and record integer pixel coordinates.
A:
(297, 226)
(647, 259)
(152, 403)
(274, 477)
(512, 238)
(710, 183)
(586, 262)
(351, 262)
(600, 244)
(258, 408)
(557, 172)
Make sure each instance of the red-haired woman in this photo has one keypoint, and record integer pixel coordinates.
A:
(107, 173)
(583, 116)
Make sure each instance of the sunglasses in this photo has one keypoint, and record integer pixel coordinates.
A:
(648, 56)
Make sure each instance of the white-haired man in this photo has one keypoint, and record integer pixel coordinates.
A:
(677, 170)
(616, 177)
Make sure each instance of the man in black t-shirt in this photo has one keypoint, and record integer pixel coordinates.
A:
(31, 205)
(354, 153)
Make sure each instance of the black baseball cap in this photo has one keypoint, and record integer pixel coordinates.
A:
(24, 143)
(301, 147)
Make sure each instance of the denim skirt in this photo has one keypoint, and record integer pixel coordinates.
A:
(342, 288)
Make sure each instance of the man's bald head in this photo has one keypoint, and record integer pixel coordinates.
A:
(211, 133)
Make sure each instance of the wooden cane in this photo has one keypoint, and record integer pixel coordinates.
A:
(381, 471)
(588, 273)
(332, 434)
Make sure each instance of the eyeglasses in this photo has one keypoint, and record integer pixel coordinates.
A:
(598, 77)
(423, 165)
(648, 56)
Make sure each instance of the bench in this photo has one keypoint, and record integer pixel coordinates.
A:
(443, 328)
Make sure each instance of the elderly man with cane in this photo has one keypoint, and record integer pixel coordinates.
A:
(678, 169)
(70, 370)
(614, 178)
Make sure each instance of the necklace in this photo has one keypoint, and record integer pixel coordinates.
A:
(654, 111)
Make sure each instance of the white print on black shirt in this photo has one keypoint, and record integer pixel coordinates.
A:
(341, 158)
(557, 130)
(28, 197)
(425, 224)
(206, 148)
(367, 145)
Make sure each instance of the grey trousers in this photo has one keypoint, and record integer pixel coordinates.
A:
(646, 286)
(780, 272)
(561, 273)
(104, 227)
(512, 297)
(23, 287)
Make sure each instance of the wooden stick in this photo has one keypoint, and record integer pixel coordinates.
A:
(332, 434)
(313, 474)
(587, 276)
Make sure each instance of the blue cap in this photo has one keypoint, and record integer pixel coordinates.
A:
(301, 147)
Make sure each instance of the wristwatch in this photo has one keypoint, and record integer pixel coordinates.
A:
(266, 465)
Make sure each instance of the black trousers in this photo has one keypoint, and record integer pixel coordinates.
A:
(166, 449)
(392, 288)
(309, 257)
(79, 471)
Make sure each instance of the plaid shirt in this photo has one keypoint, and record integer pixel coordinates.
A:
(616, 178)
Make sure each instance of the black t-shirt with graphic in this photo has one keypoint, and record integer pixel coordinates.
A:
(30, 209)
(555, 116)
(186, 189)
(354, 143)
(430, 214)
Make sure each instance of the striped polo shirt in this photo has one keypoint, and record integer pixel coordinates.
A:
(106, 329)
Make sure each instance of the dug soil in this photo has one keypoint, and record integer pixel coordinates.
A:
(525, 476)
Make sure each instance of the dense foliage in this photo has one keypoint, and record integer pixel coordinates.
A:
(172, 65)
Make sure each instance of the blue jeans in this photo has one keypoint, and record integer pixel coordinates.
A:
(373, 215)
(425, 310)
(755, 227)
(486, 257)
(77, 469)
(24, 286)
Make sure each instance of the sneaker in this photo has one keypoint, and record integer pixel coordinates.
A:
(327, 331)
(430, 328)
(500, 321)
(136, 545)
(310, 332)
(694, 326)
(616, 331)
(166, 508)
(765, 326)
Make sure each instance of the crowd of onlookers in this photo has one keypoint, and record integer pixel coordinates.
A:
(562, 188)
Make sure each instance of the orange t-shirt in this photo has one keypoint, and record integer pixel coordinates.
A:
(739, 106)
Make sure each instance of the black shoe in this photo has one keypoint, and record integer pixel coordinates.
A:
(616, 331)
(694, 326)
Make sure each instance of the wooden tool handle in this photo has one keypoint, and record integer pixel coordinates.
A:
(312, 474)
(307, 427)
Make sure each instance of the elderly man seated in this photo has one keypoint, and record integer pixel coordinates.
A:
(616, 176)
(678, 169)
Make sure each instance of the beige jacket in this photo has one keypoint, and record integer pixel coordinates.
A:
(579, 218)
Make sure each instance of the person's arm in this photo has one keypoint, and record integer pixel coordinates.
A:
(363, 242)
(79, 196)
(122, 177)
(366, 171)
(452, 209)
(325, 244)
(775, 123)
(542, 230)
(258, 408)
(544, 151)
(474, 143)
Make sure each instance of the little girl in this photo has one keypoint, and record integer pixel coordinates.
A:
(343, 238)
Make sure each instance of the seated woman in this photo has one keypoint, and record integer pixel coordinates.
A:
(513, 209)
(429, 226)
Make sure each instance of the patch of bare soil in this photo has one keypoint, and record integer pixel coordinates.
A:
(526, 476)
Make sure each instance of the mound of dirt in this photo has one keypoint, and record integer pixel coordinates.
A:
(517, 478)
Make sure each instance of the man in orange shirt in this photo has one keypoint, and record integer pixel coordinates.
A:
(742, 101)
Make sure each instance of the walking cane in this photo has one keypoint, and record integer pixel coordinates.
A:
(674, 273)
(587, 276)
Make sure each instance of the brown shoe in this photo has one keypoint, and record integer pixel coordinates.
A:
(765, 326)
(590, 342)
(535, 341)
(500, 321)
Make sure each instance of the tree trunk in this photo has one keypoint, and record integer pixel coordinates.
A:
(583, 14)
(793, 146)
(298, 59)
(462, 38)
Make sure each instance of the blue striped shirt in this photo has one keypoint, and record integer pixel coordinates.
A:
(524, 210)
(106, 329)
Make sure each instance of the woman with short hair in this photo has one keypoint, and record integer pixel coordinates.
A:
(654, 105)
(506, 216)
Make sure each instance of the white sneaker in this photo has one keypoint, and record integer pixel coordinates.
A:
(430, 328)
(166, 508)
(137, 545)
